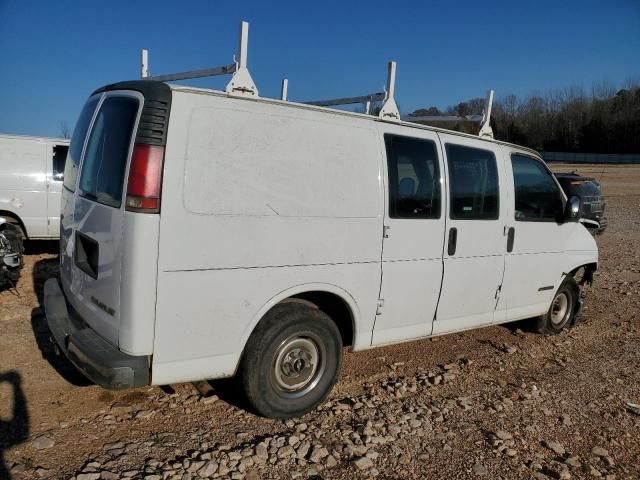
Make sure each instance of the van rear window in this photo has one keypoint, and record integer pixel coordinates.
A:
(105, 159)
(77, 142)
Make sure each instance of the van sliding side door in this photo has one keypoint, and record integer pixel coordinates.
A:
(473, 256)
(413, 234)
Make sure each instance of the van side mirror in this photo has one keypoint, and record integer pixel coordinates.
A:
(573, 209)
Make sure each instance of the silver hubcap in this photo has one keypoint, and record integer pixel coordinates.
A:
(560, 308)
(298, 365)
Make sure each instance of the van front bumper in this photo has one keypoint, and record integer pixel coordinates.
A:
(96, 358)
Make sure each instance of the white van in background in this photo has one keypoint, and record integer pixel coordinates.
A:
(207, 235)
(31, 170)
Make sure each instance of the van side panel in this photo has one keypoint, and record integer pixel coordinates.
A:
(23, 183)
(258, 200)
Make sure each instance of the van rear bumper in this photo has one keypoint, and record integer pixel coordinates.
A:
(96, 358)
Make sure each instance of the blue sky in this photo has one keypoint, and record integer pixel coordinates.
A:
(54, 53)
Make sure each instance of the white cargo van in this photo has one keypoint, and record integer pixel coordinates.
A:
(31, 171)
(207, 234)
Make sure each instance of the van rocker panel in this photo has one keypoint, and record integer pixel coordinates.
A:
(96, 358)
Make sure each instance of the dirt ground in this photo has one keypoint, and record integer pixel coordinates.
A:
(499, 402)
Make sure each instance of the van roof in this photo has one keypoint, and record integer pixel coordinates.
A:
(334, 111)
(158, 88)
(64, 141)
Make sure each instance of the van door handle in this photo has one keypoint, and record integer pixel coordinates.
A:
(453, 241)
(510, 237)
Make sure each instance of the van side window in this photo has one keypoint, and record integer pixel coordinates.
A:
(59, 157)
(414, 177)
(473, 183)
(537, 196)
(77, 142)
(105, 160)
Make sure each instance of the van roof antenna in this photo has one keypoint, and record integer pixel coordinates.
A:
(241, 82)
(389, 108)
(485, 123)
(285, 87)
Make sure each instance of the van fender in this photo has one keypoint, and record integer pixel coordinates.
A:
(581, 249)
(297, 290)
(591, 264)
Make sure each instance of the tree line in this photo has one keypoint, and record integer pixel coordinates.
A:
(605, 120)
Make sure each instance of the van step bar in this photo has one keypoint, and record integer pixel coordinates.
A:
(242, 84)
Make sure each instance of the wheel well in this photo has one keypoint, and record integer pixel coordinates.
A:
(16, 219)
(584, 276)
(334, 306)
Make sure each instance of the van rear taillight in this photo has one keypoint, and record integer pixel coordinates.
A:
(145, 179)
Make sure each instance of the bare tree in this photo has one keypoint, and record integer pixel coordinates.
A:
(605, 120)
(64, 129)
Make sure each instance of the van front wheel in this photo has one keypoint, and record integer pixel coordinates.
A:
(562, 310)
(291, 361)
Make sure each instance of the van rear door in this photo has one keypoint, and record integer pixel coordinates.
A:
(92, 245)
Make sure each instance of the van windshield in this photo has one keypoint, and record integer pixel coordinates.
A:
(77, 142)
(105, 160)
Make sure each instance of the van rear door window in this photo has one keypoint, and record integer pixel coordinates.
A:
(77, 142)
(107, 151)
(414, 177)
(473, 183)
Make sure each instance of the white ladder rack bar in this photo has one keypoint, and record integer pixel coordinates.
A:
(390, 108)
(373, 97)
(144, 63)
(205, 72)
(485, 127)
(241, 82)
(442, 118)
(484, 120)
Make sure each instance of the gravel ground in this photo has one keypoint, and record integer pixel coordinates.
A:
(499, 402)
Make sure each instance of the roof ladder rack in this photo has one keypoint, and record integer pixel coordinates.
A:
(484, 119)
(389, 108)
(241, 82)
(485, 123)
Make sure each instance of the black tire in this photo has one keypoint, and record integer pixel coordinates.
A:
(279, 359)
(562, 310)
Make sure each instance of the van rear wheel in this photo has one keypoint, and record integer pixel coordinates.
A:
(291, 361)
(562, 310)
